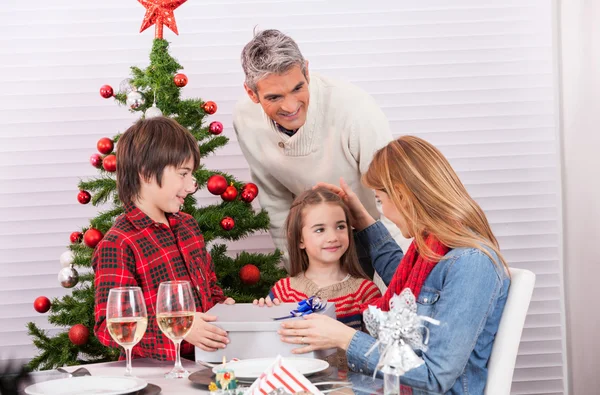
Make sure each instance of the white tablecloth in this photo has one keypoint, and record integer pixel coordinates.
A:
(153, 372)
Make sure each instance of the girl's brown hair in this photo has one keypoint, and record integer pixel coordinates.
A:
(427, 192)
(295, 222)
(146, 148)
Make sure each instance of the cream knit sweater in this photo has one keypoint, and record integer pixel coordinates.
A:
(344, 127)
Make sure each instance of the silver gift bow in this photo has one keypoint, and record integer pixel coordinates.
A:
(398, 333)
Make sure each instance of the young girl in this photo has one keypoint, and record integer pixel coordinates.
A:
(323, 260)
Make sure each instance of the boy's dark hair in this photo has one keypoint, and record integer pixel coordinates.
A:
(146, 148)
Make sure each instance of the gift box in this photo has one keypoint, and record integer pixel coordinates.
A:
(252, 332)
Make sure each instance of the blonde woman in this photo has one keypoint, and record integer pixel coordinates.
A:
(454, 268)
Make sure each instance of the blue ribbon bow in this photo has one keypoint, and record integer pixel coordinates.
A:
(307, 306)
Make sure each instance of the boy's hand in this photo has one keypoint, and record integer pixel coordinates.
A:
(207, 336)
(270, 303)
(229, 301)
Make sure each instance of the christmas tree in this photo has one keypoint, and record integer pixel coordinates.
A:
(154, 91)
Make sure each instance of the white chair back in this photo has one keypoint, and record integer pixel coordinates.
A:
(506, 345)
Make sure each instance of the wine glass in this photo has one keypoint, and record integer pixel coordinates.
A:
(175, 311)
(126, 318)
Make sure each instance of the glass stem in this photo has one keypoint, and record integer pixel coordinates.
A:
(177, 356)
(391, 384)
(128, 355)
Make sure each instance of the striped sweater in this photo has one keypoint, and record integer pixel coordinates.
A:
(347, 295)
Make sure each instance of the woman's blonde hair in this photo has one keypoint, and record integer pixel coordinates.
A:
(428, 193)
(295, 222)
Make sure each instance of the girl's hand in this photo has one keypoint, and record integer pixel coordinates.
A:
(360, 216)
(229, 301)
(316, 332)
(270, 303)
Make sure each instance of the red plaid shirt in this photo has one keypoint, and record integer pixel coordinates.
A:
(137, 251)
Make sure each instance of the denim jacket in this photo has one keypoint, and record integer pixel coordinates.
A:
(466, 292)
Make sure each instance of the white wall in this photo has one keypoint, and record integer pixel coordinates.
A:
(580, 69)
(474, 77)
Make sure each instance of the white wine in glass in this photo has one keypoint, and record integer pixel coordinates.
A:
(126, 318)
(175, 311)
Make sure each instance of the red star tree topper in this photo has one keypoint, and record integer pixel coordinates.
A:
(159, 13)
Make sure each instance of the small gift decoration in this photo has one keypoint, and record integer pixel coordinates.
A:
(225, 378)
(281, 378)
(311, 305)
(225, 381)
(398, 333)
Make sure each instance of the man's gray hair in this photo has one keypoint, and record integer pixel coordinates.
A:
(270, 52)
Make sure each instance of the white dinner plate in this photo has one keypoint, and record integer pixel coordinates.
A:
(252, 368)
(87, 385)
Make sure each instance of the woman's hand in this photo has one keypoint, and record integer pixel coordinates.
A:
(316, 332)
(267, 301)
(207, 336)
(360, 216)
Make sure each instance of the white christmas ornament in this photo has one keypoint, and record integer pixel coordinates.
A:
(153, 112)
(66, 258)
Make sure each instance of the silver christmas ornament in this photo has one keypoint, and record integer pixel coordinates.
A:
(135, 100)
(66, 258)
(68, 277)
(153, 112)
(399, 332)
(125, 86)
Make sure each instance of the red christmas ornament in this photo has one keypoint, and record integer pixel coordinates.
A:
(215, 127)
(159, 13)
(249, 274)
(247, 195)
(92, 237)
(76, 237)
(216, 184)
(96, 160)
(106, 91)
(210, 107)
(105, 145)
(79, 334)
(227, 223)
(42, 304)
(251, 187)
(110, 163)
(84, 197)
(230, 194)
(180, 80)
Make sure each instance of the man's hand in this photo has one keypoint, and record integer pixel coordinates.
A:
(207, 336)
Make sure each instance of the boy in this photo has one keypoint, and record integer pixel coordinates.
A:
(152, 241)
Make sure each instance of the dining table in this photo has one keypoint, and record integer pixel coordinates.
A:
(153, 372)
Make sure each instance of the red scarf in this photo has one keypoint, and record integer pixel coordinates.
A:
(412, 272)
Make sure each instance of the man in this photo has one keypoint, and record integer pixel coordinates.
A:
(297, 129)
